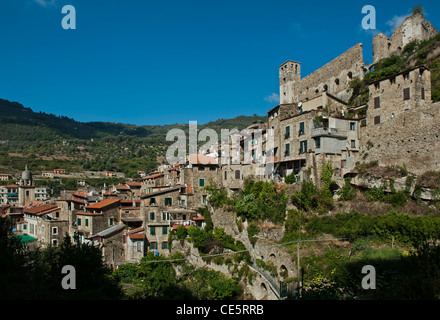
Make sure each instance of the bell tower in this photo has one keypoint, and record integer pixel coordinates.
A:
(289, 73)
(26, 188)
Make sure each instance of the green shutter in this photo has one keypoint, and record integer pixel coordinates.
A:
(152, 231)
(87, 222)
(78, 221)
(164, 230)
(201, 182)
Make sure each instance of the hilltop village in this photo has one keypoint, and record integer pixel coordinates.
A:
(320, 121)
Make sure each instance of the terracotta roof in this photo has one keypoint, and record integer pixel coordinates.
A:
(103, 204)
(136, 230)
(137, 236)
(122, 187)
(153, 176)
(110, 193)
(133, 184)
(34, 204)
(201, 159)
(43, 209)
(80, 194)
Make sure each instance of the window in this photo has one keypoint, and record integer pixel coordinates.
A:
(54, 242)
(226, 175)
(353, 126)
(164, 230)
(204, 199)
(87, 222)
(138, 246)
(406, 76)
(151, 216)
(164, 245)
(166, 215)
(237, 174)
(406, 94)
(377, 85)
(111, 221)
(303, 146)
(301, 128)
(287, 134)
(152, 231)
(168, 202)
(393, 80)
(78, 221)
(201, 168)
(152, 201)
(201, 182)
(54, 231)
(287, 152)
(377, 120)
(376, 102)
(353, 144)
(423, 94)
(211, 168)
(318, 143)
(153, 245)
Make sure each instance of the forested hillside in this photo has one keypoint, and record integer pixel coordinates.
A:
(47, 141)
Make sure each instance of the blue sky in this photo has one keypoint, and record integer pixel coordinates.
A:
(163, 62)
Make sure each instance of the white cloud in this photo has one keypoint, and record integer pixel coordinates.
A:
(273, 98)
(394, 22)
(45, 3)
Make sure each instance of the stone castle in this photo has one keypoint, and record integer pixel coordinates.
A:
(314, 123)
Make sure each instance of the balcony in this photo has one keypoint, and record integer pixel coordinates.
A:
(329, 132)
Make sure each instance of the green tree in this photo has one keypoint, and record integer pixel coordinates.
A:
(157, 276)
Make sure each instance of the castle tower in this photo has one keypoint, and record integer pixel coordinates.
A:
(289, 73)
(26, 188)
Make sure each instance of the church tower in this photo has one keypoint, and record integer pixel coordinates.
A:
(26, 188)
(290, 73)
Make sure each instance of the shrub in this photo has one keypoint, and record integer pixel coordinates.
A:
(347, 192)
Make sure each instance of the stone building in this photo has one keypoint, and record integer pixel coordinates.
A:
(97, 217)
(45, 223)
(402, 126)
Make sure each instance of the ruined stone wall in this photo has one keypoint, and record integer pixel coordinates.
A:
(414, 27)
(332, 77)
